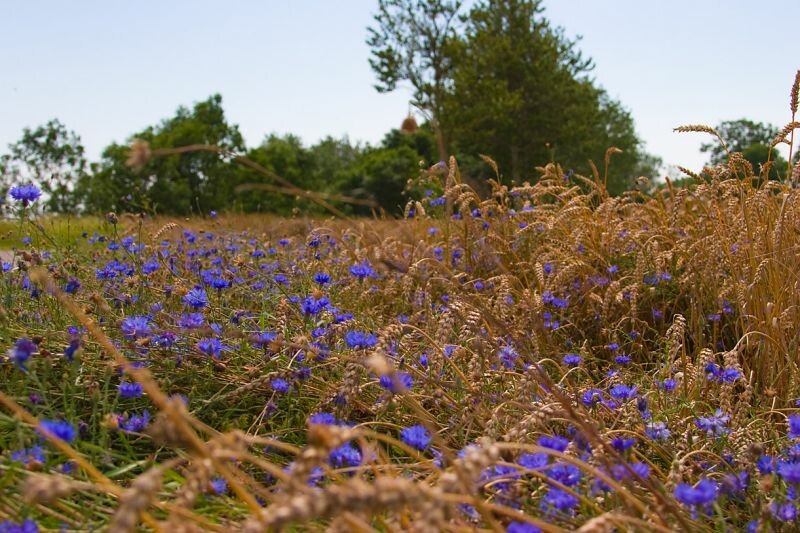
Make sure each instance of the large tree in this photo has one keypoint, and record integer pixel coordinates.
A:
(753, 140)
(411, 42)
(51, 157)
(522, 93)
(182, 183)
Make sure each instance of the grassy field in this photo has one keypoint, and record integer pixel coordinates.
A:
(546, 359)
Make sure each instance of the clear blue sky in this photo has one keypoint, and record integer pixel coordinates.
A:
(108, 69)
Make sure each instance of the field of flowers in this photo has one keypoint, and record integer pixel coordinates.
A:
(547, 359)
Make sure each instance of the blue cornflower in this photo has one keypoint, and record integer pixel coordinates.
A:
(571, 359)
(134, 423)
(361, 270)
(668, 385)
(705, 492)
(622, 359)
(522, 527)
(558, 500)
(72, 286)
(192, 320)
(623, 392)
(23, 349)
(621, 472)
(784, 513)
(592, 397)
(507, 355)
(765, 465)
(622, 444)
(322, 278)
(416, 436)
(323, 418)
(794, 426)
(735, 483)
(280, 385)
(312, 306)
(26, 526)
(211, 346)
(730, 375)
(26, 456)
(130, 390)
(554, 442)
(59, 428)
(219, 485)
(400, 382)
(360, 339)
(789, 471)
(263, 339)
(346, 455)
(714, 426)
(196, 297)
(566, 474)
(25, 193)
(533, 461)
(136, 327)
(657, 431)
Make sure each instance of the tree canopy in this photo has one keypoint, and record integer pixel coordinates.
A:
(513, 87)
(753, 140)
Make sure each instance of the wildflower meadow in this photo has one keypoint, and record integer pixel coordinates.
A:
(541, 357)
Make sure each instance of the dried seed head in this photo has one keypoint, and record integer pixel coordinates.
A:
(139, 155)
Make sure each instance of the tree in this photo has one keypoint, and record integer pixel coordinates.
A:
(522, 93)
(411, 42)
(381, 173)
(51, 157)
(180, 184)
(752, 139)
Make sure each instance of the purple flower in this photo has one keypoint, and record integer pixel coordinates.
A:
(714, 426)
(558, 500)
(705, 492)
(59, 428)
(26, 456)
(192, 320)
(794, 426)
(657, 431)
(522, 527)
(196, 297)
(784, 513)
(280, 385)
(134, 423)
(323, 418)
(361, 270)
(571, 359)
(23, 349)
(553, 442)
(623, 392)
(212, 347)
(416, 436)
(789, 471)
(622, 444)
(25, 193)
(346, 455)
(322, 278)
(360, 339)
(399, 383)
(312, 306)
(592, 397)
(26, 526)
(219, 485)
(765, 465)
(130, 390)
(136, 327)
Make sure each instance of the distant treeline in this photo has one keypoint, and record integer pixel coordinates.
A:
(498, 80)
